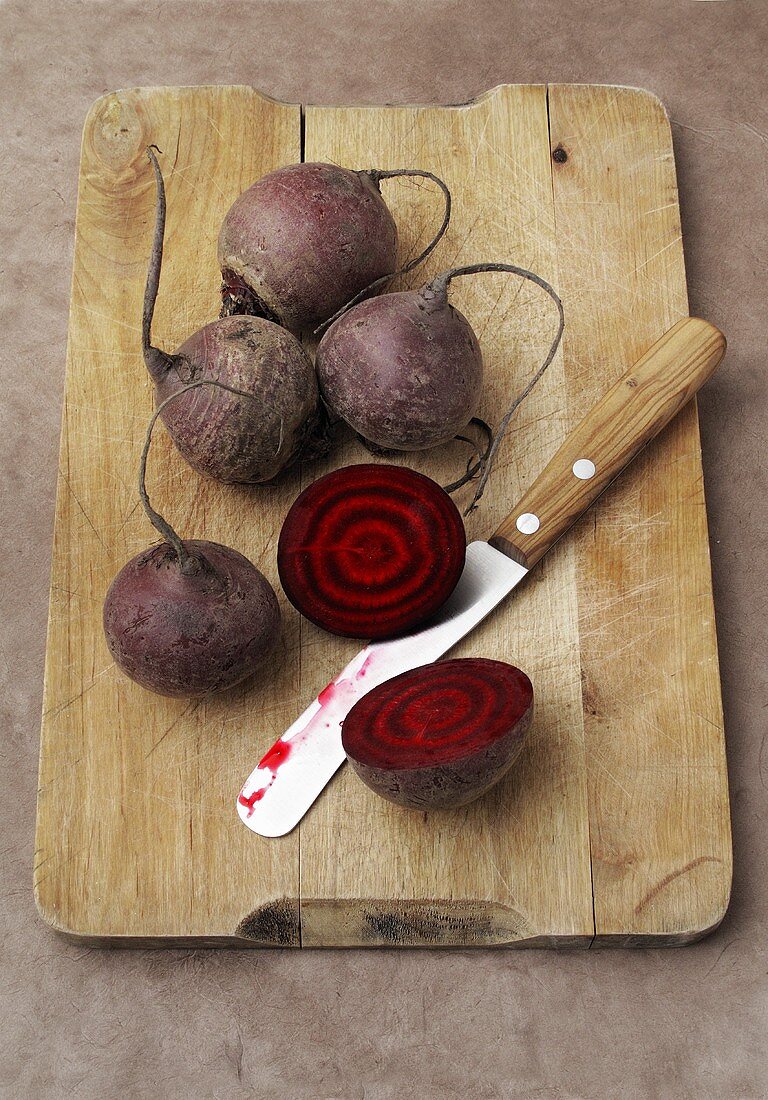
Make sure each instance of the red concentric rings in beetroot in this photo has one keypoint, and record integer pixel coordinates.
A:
(436, 714)
(371, 551)
(441, 735)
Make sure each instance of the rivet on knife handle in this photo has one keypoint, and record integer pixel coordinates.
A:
(627, 417)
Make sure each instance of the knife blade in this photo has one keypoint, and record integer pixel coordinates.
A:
(292, 774)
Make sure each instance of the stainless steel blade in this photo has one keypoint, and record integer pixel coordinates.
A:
(292, 774)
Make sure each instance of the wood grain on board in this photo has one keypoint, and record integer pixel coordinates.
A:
(622, 788)
(137, 835)
(514, 865)
(658, 786)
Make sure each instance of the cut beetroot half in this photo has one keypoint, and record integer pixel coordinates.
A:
(441, 735)
(371, 551)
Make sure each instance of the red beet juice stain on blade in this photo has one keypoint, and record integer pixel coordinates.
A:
(272, 761)
(251, 799)
(364, 667)
(327, 694)
(276, 756)
(336, 687)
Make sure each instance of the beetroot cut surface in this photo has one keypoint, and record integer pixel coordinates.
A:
(441, 735)
(371, 551)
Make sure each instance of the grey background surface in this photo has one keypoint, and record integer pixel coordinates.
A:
(689, 1022)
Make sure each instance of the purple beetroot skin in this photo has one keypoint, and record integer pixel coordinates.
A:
(252, 435)
(302, 241)
(191, 631)
(249, 435)
(404, 370)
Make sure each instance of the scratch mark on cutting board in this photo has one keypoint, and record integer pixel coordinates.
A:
(494, 866)
(716, 725)
(656, 209)
(82, 509)
(667, 246)
(215, 127)
(613, 777)
(187, 711)
(107, 317)
(194, 186)
(480, 141)
(459, 249)
(671, 877)
(54, 712)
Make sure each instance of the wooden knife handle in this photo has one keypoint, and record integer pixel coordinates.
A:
(627, 417)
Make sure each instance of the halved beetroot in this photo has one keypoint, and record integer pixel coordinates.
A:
(441, 735)
(371, 551)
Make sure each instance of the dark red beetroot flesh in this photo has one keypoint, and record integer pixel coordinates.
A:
(371, 551)
(442, 735)
(191, 631)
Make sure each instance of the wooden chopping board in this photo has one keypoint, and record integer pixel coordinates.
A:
(614, 826)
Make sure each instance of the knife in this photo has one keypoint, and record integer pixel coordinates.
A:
(291, 775)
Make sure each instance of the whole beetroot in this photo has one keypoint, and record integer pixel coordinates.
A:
(190, 630)
(229, 436)
(305, 239)
(188, 618)
(405, 370)
(266, 413)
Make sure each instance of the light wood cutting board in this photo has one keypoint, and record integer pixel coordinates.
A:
(614, 826)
